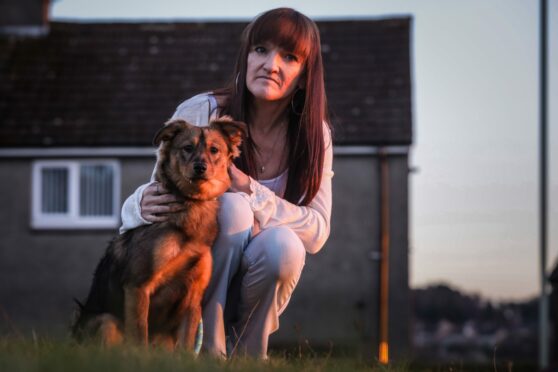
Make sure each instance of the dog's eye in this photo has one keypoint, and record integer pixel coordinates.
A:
(213, 150)
(188, 148)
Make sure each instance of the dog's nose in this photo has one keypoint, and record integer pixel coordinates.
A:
(200, 168)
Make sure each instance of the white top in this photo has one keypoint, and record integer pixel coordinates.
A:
(311, 223)
(278, 184)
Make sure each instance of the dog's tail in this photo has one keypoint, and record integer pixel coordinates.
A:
(99, 299)
(79, 304)
(77, 320)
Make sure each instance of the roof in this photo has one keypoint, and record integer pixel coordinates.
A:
(115, 84)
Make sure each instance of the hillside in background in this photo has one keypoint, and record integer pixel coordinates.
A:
(453, 326)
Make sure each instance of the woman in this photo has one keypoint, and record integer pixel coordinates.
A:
(279, 205)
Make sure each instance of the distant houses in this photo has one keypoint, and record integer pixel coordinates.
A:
(450, 326)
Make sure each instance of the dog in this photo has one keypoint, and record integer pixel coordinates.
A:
(149, 285)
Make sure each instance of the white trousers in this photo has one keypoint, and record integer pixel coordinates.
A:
(252, 281)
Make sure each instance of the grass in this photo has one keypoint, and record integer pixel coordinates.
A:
(17, 354)
(59, 355)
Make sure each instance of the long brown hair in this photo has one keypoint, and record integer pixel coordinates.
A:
(296, 33)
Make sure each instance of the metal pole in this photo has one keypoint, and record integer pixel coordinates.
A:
(543, 304)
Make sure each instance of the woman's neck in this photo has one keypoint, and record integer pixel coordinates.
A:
(267, 116)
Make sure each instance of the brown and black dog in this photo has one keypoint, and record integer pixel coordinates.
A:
(149, 285)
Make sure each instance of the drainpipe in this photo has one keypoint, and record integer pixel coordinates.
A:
(383, 352)
(46, 12)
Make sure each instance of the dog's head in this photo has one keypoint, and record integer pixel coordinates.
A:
(193, 161)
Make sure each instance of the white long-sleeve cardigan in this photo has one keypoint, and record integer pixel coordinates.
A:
(311, 223)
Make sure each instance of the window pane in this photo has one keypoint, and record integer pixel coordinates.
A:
(96, 190)
(54, 197)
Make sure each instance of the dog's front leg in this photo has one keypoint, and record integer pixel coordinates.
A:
(190, 308)
(136, 311)
(188, 328)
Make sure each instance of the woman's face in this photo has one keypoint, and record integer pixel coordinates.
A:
(272, 73)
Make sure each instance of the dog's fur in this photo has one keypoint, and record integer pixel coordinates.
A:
(149, 285)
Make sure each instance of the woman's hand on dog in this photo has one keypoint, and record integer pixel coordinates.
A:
(240, 182)
(157, 203)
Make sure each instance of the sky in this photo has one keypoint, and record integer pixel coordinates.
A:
(475, 74)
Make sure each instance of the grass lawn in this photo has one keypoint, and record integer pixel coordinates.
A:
(49, 355)
(65, 355)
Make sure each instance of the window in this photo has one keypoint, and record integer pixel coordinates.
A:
(76, 194)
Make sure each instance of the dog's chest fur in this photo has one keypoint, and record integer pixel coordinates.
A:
(198, 221)
(188, 234)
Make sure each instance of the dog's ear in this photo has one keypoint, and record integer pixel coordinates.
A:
(234, 132)
(171, 128)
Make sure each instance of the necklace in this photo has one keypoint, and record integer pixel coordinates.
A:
(262, 164)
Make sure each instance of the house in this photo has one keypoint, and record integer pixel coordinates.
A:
(79, 105)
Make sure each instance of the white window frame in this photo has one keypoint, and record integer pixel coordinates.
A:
(72, 219)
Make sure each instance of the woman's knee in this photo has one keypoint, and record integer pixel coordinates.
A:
(235, 224)
(235, 214)
(279, 251)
